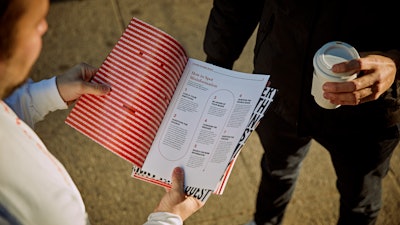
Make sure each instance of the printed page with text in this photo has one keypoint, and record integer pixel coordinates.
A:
(204, 122)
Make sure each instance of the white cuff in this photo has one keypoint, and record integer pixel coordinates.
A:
(163, 218)
(46, 97)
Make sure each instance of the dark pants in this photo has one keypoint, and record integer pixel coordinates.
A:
(360, 164)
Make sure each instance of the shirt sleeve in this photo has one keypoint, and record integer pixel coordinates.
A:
(163, 218)
(34, 100)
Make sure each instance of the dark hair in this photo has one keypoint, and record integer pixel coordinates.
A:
(10, 12)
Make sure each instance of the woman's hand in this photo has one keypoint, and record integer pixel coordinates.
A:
(76, 82)
(175, 201)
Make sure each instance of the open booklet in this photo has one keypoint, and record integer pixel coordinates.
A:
(167, 110)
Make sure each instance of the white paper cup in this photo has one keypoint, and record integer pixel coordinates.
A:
(328, 55)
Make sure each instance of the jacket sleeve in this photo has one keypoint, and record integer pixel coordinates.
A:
(163, 218)
(230, 25)
(34, 100)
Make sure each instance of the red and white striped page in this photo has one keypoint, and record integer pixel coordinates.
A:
(143, 70)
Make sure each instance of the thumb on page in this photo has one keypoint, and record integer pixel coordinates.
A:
(178, 179)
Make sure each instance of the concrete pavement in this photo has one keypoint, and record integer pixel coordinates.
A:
(85, 31)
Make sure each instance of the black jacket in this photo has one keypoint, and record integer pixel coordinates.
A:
(289, 34)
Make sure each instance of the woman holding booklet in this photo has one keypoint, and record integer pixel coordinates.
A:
(35, 188)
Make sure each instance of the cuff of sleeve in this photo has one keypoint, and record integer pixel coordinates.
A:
(46, 96)
(163, 218)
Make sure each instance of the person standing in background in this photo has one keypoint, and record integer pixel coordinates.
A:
(360, 135)
(35, 188)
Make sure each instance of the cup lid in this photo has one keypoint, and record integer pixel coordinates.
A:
(332, 53)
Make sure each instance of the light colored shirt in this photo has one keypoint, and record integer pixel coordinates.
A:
(35, 188)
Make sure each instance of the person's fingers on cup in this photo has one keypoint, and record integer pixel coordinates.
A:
(339, 87)
(352, 65)
(359, 97)
(353, 98)
(367, 62)
(342, 98)
(372, 93)
(350, 86)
